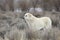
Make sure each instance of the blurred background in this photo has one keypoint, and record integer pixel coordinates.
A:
(13, 25)
(27, 5)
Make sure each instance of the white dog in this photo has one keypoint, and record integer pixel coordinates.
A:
(35, 23)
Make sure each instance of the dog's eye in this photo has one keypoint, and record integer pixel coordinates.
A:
(25, 15)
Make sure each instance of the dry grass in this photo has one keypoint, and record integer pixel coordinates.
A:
(14, 27)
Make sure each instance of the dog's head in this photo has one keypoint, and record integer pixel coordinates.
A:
(28, 16)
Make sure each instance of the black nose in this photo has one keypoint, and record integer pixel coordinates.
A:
(23, 17)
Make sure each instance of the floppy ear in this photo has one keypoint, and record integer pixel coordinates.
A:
(29, 15)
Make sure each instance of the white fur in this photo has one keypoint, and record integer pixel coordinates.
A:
(35, 23)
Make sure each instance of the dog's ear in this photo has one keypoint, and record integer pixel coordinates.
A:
(30, 15)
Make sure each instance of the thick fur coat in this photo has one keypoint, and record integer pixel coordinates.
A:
(35, 23)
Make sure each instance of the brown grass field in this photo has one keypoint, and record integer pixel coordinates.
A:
(14, 27)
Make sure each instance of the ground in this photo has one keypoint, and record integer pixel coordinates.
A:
(9, 21)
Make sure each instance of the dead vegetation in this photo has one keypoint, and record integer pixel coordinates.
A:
(14, 27)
